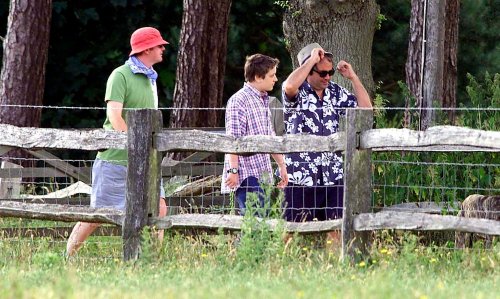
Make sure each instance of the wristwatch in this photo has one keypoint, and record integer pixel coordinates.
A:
(232, 170)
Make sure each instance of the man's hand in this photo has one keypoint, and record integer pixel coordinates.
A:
(284, 177)
(232, 180)
(345, 69)
(316, 55)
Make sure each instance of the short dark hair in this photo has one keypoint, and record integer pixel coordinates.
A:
(258, 65)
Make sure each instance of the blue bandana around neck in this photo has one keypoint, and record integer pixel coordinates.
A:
(138, 67)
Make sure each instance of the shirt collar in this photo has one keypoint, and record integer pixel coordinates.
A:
(263, 95)
(307, 87)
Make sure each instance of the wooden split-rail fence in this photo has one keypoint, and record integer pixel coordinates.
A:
(146, 140)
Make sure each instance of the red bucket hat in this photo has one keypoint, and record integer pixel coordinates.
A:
(145, 38)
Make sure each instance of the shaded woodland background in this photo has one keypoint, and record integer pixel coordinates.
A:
(88, 39)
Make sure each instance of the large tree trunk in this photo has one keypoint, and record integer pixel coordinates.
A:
(24, 60)
(345, 28)
(414, 67)
(432, 94)
(450, 57)
(201, 63)
(25, 51)
(431, 66)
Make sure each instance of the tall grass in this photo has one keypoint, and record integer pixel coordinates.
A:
(213, 266)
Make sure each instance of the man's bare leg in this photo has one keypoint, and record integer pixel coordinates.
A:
(80, 233)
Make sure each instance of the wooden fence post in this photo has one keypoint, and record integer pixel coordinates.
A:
(357, 182)
(143, 178)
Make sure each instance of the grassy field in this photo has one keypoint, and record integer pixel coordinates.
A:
(259, 266)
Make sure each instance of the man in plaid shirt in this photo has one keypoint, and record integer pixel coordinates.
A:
(248, 113)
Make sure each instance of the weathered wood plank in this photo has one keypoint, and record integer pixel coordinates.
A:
(196, 140)
(428, 207)
(362, 222)
(438, 138)
(60, 212)
(234, 222)
(204, 185)
(423, 221)
(357, 182)
(34, 138)
(143, 178)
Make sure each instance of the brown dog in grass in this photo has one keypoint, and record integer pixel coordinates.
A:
(478, 206)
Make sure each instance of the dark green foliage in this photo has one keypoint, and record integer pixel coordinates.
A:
(389, 49)
(479, 51)
(255, 27)
(442, 177)
(90, 38)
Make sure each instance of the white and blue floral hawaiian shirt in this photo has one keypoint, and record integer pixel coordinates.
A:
(307, 114)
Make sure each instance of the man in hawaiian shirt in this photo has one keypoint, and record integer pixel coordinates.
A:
(313, 104)
(248, 113)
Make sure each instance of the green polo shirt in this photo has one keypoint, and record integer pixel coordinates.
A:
(134, 91)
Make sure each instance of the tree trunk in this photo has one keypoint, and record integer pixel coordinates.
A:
(22, 79)
(345, 28)
(450, 57)
(413, 68)
(434, 53)
(24, 60)
(201, 63)
(431, 66)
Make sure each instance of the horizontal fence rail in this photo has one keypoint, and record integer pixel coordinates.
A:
(211, 142)
(33, 138)
(439, 138)
(362, 222)
(57, 212)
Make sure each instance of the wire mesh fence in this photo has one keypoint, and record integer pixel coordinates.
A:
(437, 180)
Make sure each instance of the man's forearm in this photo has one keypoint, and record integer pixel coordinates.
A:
(361, 93)
(296, 78)
(279, 158)
(233, 161)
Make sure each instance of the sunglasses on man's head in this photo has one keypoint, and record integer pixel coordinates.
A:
(323, 74)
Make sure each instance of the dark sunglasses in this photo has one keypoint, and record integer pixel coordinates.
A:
(323, 74)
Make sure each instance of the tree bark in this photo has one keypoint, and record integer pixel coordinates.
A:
(345, 28)
(22, 79)
(201, 63)
(431, 66)
(432, 94)
(450, 57)
(413, 68)
(24, 60)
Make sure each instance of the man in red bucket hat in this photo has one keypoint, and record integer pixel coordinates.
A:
(131, 85)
